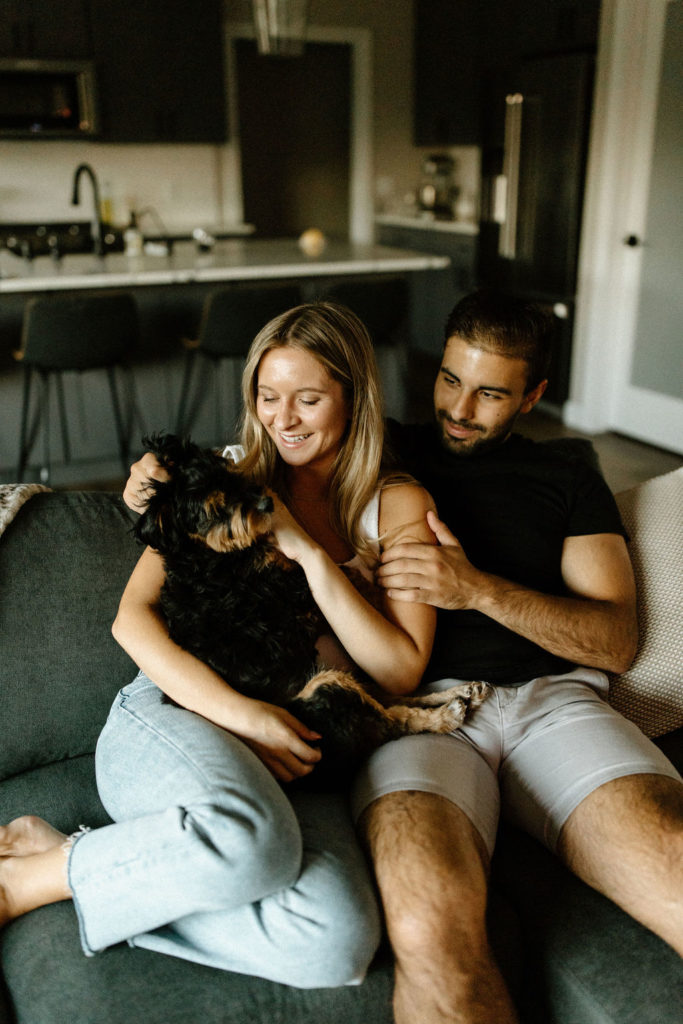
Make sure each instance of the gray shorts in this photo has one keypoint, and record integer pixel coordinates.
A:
(532, 752)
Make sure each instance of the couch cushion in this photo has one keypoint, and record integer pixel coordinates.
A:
(650, 692)
(64, 562)
(589, 962)
(64, 793)
(51, 982)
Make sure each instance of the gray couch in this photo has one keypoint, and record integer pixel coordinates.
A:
(570, 956)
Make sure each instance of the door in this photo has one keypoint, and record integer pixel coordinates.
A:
(648, 397)
(627, 351)
(294, 128)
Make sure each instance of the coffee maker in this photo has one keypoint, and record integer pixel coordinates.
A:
(437, 192)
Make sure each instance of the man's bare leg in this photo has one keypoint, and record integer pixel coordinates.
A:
(626, 841)
(432, 868)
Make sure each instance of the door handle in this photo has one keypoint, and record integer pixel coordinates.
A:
(507, 241)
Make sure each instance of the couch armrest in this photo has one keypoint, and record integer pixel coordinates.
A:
(650, 692)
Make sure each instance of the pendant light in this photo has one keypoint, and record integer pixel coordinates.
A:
(280, 26)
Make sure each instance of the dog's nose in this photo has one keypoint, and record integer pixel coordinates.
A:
(264, 504)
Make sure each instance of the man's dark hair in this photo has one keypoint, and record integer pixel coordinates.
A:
(508, 326)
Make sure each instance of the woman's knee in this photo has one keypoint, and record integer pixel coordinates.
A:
(250, 830)
(334, 918)
(342, 942)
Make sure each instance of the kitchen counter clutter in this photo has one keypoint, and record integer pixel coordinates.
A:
(229, 260)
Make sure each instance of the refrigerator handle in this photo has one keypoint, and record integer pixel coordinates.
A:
(509, 186)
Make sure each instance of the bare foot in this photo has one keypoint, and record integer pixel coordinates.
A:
(33, 880)
(7, 910)
(27, 835)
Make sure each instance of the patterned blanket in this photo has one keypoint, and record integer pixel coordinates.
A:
(12, 497)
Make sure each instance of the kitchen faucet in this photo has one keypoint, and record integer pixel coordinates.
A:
(98, 243)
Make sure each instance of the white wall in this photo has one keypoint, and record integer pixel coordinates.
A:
(179, 181)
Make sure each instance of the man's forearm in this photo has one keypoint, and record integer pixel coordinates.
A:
(600, 634)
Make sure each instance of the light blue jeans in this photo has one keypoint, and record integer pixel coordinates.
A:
(210, 861)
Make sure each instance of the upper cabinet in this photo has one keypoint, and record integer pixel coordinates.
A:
(159, 65)
(458, 45)
(45, 29)
(447, 72)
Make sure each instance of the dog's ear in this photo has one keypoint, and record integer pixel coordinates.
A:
(168, 448)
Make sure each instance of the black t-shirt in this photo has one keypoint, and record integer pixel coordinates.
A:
(511, 508)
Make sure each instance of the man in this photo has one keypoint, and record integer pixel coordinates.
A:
(533, 582)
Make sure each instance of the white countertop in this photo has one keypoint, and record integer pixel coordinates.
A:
(230, 260)
(426, 222)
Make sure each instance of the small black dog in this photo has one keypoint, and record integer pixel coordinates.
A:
(235, 601)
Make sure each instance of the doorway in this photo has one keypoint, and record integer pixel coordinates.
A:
(294, 129)
(301, 131)
(649, 400)
(627, 365)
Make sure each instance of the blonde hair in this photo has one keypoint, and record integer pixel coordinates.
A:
(340, 342)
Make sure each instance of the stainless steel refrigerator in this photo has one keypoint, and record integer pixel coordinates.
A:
(535, 131)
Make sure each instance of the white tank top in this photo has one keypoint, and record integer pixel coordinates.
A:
(369, 520)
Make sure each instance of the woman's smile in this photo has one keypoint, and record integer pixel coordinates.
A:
(303, 408)
(287, 439)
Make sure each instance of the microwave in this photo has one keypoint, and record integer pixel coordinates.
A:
(47, 99)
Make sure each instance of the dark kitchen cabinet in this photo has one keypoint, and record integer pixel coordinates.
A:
(447, 72)
(516, 31)
(160, 70)
(45, 29)
(433, 292)
(159, 64)
(459, 44)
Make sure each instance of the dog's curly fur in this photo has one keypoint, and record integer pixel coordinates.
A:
(235, 601)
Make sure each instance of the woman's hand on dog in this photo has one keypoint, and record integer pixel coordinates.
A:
(280, 740)
(141, 472)
(290, 537)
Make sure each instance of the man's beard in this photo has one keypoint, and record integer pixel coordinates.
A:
(485, 438)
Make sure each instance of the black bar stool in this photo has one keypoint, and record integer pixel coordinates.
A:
(383, 304)
(64, 333)
(231, 319)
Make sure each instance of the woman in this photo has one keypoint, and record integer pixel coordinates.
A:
(209, 859)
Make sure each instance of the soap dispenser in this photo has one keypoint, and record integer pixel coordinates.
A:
(132, 237)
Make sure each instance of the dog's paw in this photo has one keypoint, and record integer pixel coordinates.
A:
(453, 714)
(461, 701)
(475, 693)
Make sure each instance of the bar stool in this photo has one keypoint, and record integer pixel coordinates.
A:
(231, 319)
(64, 333)
(383, 304)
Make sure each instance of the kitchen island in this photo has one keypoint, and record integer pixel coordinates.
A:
(169, 292)
(228, 260)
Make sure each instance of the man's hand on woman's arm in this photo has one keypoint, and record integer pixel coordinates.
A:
(593, 624)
